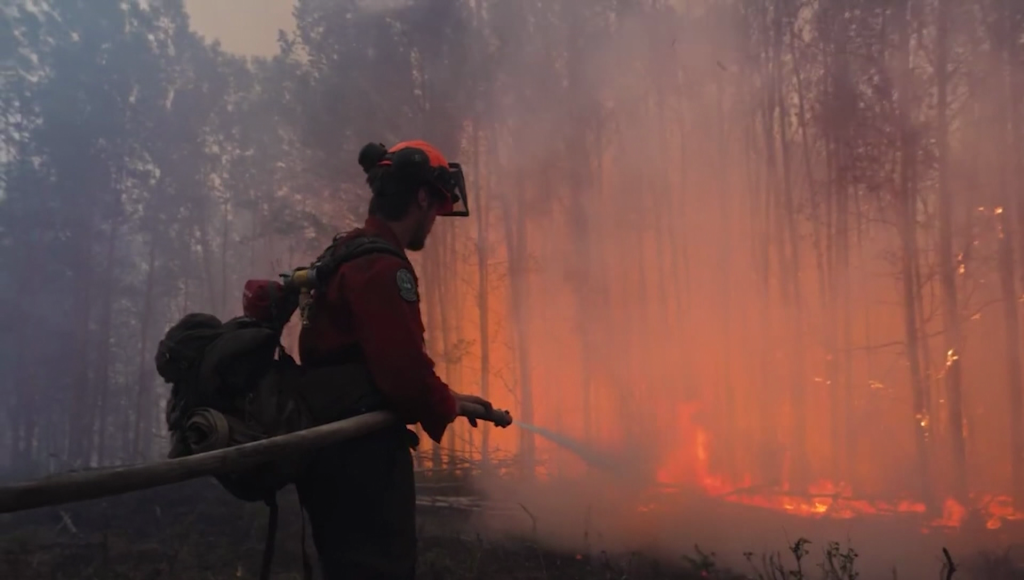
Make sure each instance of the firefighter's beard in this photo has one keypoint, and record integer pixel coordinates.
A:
(418, 239)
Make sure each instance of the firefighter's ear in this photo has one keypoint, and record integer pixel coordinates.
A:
(423, 198)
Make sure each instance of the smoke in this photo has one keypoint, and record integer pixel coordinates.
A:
(712, 241)
(701, 217)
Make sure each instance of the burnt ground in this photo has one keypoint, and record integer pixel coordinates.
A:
(197, 531)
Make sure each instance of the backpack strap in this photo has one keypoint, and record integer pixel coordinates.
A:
(340, 252)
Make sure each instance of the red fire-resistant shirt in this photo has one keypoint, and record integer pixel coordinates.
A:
(365, 304)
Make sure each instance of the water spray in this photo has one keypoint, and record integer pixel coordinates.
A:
(592, 456)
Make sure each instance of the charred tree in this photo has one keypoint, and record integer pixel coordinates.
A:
(435, 329)
(447, 295)
(144, 400)
(514, 213)
(1013, 20)
(483, 279)
(101, 373)
(953, 334)
(906, 209)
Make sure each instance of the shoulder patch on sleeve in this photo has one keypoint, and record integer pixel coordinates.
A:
(407, 286)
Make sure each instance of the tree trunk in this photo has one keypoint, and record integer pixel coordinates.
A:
(435, 344)
(578, 186)
(907, 224)
(790, 262)
(483, 284)
(225, 236)
(1007, 264)
(143, 393)
(953, 334)
(445, 283)
(78, 419)
(103, 347)
(730, 400)
(518, 263)
(27, 387)
(206, 256)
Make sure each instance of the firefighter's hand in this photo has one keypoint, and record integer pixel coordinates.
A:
(473, 408)
(501, 418)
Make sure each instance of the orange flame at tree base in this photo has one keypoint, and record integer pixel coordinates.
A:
(689, 463)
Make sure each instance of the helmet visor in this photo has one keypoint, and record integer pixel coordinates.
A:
(452, 186)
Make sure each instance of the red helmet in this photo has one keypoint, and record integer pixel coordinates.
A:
(426, 162)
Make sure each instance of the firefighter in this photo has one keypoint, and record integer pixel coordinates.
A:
(360, 495)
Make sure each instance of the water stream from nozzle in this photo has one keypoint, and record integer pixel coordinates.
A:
(592, 456)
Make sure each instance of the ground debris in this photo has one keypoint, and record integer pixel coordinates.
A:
(196, 530)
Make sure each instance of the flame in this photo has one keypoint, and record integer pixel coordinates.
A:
(953, 514)
(690, 463)
(999, 509)
(951, 357)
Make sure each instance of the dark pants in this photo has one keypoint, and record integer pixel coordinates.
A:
(360, 497)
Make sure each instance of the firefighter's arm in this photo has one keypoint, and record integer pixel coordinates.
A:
(388, 326)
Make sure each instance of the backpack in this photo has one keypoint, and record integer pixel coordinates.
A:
(229, 386)
(232, 382)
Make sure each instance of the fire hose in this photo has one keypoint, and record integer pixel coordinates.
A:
(97, 483)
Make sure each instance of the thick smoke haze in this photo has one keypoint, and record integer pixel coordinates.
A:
(762, 256)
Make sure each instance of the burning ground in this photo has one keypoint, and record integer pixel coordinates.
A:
(197, 531)
(668, 508)
(668, 521)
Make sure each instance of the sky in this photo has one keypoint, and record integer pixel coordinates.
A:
(243, 26)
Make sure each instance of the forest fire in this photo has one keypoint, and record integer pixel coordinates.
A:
(689, 463)
(769, 252)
